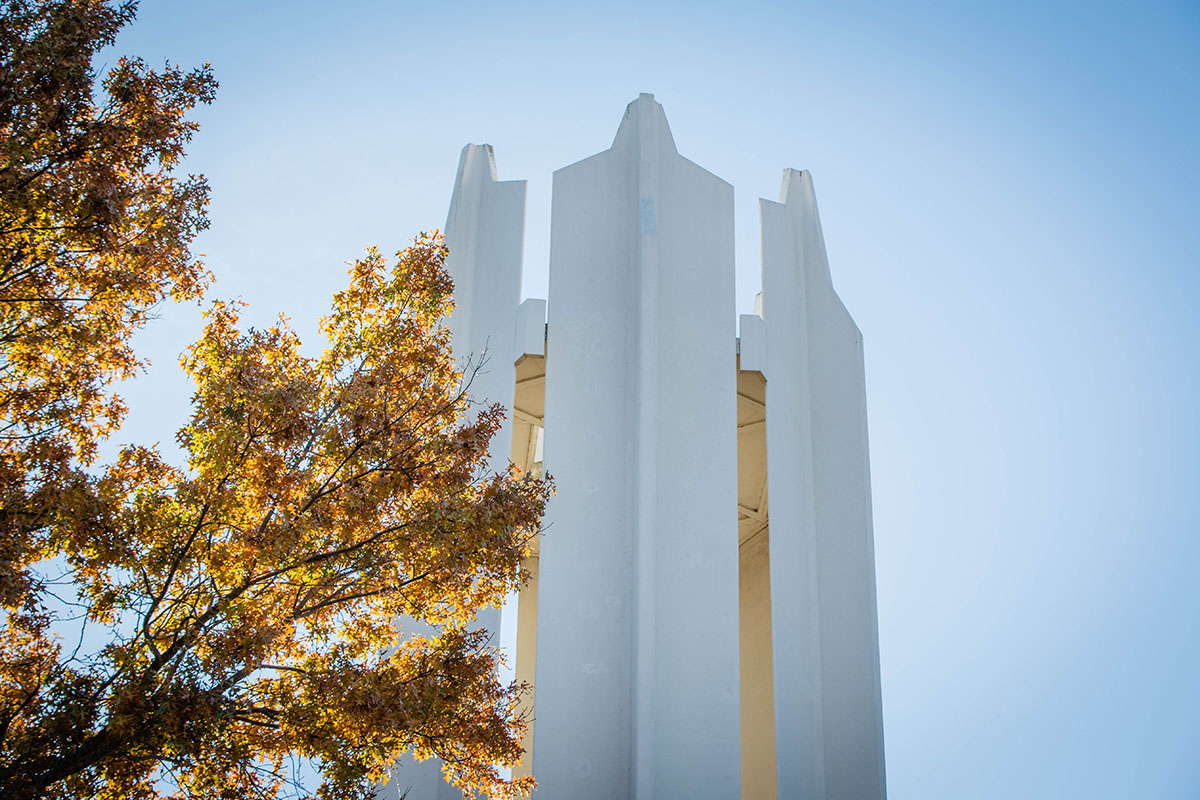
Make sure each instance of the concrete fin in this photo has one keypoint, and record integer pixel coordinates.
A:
(638, 571)
(753, 344)
(531, 329)
(485, 228)
(795, 621)
(829, 728)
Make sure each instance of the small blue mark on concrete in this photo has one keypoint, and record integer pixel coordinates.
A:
(649, 220)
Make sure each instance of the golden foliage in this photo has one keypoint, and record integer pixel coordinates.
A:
(250, 600)
(94, 226)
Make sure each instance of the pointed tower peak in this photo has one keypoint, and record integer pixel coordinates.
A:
(797, 183)
(476, 168)
(476, 156)
(644, 117)
(800, 199)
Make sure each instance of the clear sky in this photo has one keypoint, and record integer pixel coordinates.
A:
(1009, 199)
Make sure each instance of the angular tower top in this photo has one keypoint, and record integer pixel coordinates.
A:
(476, 166)
(644, 116)
(798, 194)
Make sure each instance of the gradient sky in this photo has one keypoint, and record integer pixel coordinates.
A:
(1008, 195)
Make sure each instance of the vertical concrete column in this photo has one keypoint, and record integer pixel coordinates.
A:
(485, 232)
(637, 669)
(828, 711)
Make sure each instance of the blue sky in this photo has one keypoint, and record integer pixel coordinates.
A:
(1008, 194)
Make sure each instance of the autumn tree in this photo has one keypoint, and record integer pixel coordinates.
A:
(248, 601)
(94, 224)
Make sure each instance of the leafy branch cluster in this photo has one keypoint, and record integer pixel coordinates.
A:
(251, 599)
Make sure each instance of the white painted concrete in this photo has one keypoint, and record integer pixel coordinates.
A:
(664, 455)
(531, 329)
(485, 232)
(828, 710)
(752, 344)
(637, 670)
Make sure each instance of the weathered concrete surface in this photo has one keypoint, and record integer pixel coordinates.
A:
(828, 709)
(485, 232)
(687, 639)
(637, 673)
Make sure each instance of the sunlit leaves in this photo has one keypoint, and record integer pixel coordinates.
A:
(325, 498)
(249, 599)
(94, 226)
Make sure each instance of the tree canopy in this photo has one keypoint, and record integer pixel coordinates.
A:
(95, 225)
(248, 600)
